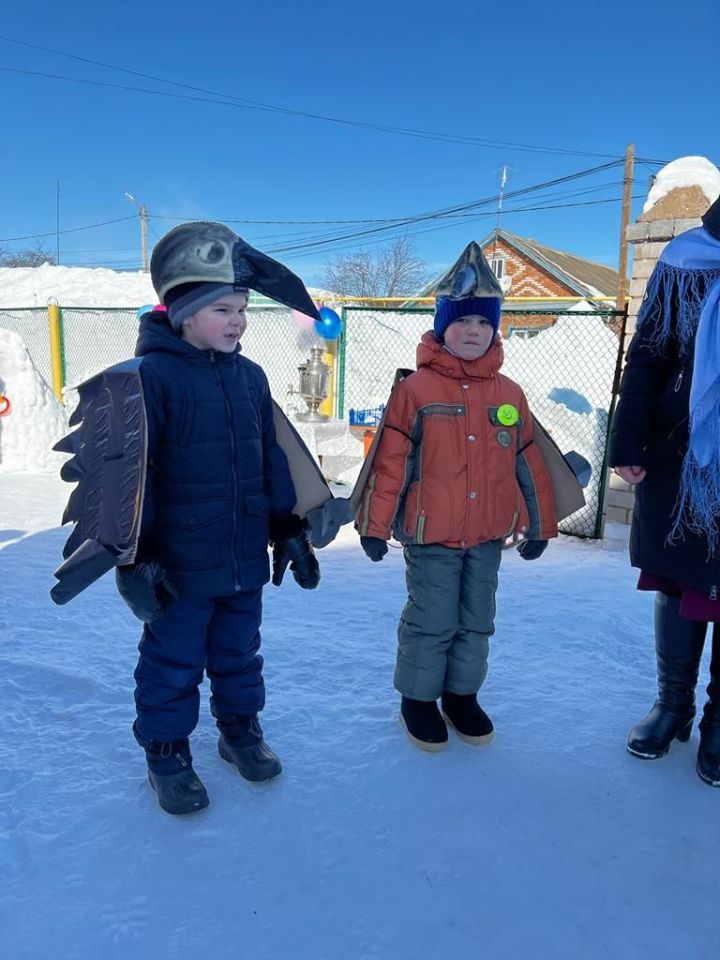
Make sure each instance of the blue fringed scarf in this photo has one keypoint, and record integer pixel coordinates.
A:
(682, 300)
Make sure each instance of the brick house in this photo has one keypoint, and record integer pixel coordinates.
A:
(526, 268)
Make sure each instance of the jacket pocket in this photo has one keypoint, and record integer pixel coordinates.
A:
(194, 515)
(194, 536)
(411, 509)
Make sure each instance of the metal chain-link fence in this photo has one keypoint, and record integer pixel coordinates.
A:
(95, 338)
(31, 324)
(566, 363)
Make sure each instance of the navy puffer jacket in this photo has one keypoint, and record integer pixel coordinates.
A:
(215, 471)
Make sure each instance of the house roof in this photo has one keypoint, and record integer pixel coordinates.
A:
(584, 277)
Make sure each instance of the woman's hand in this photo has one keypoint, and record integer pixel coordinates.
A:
(631, 475)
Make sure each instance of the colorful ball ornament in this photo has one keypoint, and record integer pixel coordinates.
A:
(329, 326)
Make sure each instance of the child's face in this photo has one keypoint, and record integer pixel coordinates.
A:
(219, 326)
(469, 337)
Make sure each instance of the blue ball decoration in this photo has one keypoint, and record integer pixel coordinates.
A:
(329, 326)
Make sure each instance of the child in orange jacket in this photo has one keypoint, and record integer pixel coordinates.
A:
(455, 474)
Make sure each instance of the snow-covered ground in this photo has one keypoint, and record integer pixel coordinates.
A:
(551, 842)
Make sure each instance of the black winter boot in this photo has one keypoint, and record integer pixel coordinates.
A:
(464, 713)
(708, 758)
(178, 788)
(424, 724)
(241, 743)
(678, 646)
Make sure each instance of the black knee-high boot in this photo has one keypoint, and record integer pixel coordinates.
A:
(678, 646)
(708, 760)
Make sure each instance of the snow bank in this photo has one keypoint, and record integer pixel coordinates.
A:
(82, 286)
(685, 172)
(36, 420)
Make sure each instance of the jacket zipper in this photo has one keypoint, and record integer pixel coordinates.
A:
(713, 593)
(228, 410)
(678, 382)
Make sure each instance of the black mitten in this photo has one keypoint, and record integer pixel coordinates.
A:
(375, 548)
(145, 588)
(291, 546)
(532, 549)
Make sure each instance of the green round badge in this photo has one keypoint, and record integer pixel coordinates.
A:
(508, 415)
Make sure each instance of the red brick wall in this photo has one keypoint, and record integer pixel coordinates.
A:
(528, 280)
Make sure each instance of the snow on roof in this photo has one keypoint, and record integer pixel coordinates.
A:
(685, 172)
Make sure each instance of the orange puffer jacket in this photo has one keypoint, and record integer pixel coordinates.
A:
(447, 470)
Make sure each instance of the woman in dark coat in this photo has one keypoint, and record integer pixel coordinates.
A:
(666, 442)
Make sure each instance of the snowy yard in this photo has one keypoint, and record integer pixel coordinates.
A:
(550, 843)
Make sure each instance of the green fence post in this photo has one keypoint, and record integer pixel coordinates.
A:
(341, 367)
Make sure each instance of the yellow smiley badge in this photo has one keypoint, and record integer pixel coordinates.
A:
(508, 415)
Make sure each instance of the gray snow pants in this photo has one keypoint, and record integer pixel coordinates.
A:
(444, 629)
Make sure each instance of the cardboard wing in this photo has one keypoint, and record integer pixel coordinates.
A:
(109, 466)
(565, 474)
(311, 487)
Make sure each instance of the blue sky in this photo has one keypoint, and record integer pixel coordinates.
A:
(588, 78)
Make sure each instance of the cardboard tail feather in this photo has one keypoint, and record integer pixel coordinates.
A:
(109, 461)
(569, 473)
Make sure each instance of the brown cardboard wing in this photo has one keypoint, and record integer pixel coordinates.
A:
(311, 488)
(567, 491)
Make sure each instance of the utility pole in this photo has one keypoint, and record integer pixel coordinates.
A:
(144, 237)
(625, 221)
(142, 210)
(57, 222)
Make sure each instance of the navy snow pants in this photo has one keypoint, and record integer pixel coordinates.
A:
(220, 637)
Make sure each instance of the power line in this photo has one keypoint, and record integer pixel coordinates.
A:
(185, 219)
(460, 208)
(231, 100)
(90, 226)
(288, 251)
(134, 264)
(385, 224)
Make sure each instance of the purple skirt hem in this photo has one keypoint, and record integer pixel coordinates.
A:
(694, 605)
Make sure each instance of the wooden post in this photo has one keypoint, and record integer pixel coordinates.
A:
(625, 221)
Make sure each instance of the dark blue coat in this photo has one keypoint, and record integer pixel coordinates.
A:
(215, 471)
(651, 429)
